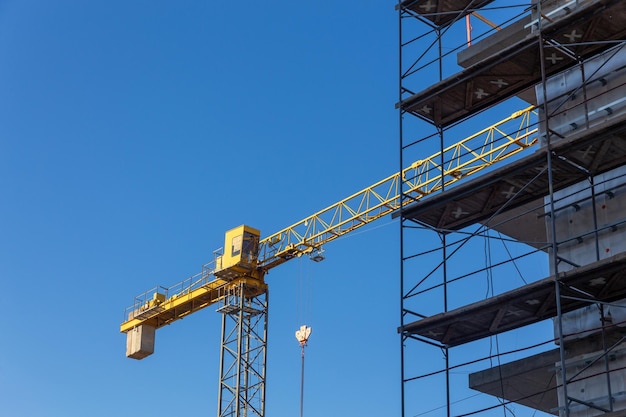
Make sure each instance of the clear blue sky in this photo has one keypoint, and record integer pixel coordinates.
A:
(133, 134)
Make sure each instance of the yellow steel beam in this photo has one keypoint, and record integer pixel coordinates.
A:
(180, 300)
(420, 179)
(175, 307)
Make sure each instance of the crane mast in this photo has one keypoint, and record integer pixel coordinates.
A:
(235, 279)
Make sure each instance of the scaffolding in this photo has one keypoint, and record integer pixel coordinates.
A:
(512, 282)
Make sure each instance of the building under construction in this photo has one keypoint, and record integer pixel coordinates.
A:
(513, 281)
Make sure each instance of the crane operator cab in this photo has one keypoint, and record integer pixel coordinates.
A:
(241, 253)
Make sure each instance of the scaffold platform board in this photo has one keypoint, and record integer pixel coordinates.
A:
(442, 12)
(604, 280)
(589, 29)
(590, 152)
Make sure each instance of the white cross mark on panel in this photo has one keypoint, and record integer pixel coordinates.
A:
(428, 6)
(597, 281)
(509, 193)
(573, 36)
(480, 93)
(554, 58)
(459, 212)
(499, 82)
(515, 313)
(586, 153)
(433, 334)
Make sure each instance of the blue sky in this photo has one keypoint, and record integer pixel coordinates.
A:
(133, 134)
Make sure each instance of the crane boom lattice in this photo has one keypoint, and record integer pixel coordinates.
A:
(472, 154)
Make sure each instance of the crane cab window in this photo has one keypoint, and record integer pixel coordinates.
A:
(245, 245)
(236, 245)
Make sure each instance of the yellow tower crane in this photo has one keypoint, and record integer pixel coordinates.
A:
(234, 280)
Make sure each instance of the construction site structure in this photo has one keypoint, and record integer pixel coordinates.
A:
(234, 281)
(513, 283)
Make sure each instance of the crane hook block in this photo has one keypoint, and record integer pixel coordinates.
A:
(303, 334)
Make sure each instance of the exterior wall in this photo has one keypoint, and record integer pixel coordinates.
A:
(590, 382)
(572, 107)
(589, 229)
(578, 244)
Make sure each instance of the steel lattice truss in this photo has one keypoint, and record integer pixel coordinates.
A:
(243, 354)
(468, 156)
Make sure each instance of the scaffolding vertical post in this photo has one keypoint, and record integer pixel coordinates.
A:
(402, 199)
